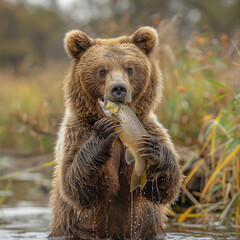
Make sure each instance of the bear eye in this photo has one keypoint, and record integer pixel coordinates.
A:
(103, 73)
(129, 71)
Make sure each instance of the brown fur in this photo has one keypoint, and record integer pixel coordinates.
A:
(91, 194)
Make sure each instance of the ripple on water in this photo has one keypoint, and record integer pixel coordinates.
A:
(201, 232)
(24, 225)
(26, 216)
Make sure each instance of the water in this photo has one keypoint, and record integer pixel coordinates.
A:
(25, 214)
(200, 232)
(131, 217)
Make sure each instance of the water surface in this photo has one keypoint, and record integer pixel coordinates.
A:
(25, 214)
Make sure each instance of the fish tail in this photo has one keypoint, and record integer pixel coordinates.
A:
(138, 180)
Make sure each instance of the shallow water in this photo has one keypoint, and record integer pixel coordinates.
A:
(25, 214)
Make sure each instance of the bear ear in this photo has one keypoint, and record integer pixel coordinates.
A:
(76, 43)
(145, 38)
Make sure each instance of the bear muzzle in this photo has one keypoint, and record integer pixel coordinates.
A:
(119, 91)
(117, 88)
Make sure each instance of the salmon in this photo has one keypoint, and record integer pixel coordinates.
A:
(131, 129)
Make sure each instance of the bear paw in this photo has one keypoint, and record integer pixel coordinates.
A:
(105, 132)
(155, 152)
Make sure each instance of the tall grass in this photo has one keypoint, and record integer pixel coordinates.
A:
(31, 107)
(202, 109)
(219, 162)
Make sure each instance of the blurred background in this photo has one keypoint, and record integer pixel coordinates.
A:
(33, 62)
(199, 53)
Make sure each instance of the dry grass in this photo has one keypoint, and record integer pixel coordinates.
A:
(30, 108)
(202, 110)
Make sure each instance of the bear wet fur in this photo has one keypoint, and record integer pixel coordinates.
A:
(91, 186)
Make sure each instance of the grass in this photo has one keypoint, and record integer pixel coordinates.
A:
(201, 110)
(220, 158)
(32, 108)
(27, 170)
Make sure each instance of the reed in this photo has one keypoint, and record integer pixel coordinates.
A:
(202, 111)
(31, 108)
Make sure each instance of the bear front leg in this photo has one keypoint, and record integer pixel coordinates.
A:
(163, 173)
(84, 181)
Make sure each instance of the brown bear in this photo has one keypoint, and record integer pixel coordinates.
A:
(91, 195)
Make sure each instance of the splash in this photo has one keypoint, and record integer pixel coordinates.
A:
(152, 191)
(154, 212)
(140, 194)
(106, 228)
(131, 224)
(94, 223)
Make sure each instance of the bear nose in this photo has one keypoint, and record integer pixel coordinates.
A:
(119, 91)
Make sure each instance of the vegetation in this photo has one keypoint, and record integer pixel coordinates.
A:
(32, 109)
(43, 28)
(203, 111)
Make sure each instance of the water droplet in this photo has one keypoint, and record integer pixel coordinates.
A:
(131, 224)
(140, 193)
(106, 227)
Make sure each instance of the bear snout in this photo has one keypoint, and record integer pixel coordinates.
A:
(119, 91)
(117, 88)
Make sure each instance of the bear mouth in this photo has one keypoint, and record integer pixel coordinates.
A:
(105, 99)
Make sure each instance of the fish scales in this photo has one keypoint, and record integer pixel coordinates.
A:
(132, 129)
(130, 125)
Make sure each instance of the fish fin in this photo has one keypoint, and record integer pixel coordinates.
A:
(128, 156)
(116, 117)
(138, 180)
(148, 164)
(143, 179)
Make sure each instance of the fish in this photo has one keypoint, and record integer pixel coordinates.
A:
(131, 129)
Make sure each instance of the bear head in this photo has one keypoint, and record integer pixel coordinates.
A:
(119, 69)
